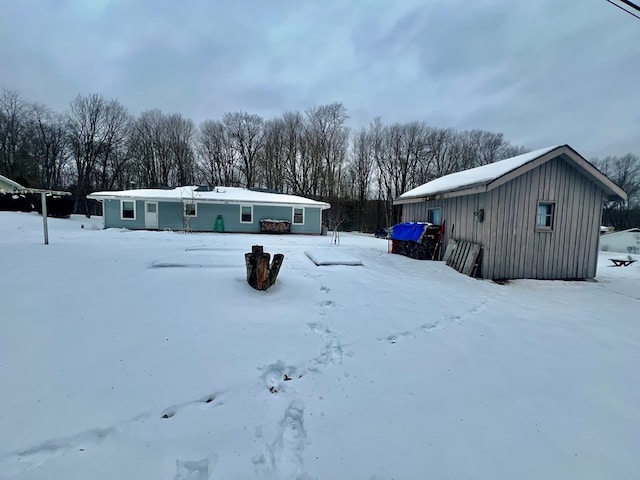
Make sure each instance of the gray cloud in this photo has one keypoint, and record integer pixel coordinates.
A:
(542, 72)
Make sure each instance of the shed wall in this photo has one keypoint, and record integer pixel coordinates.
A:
(457, 213)
(517, 249)
(512, 246)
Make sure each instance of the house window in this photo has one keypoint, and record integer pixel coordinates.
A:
(128, 209)
(434, 215)
(190, 210)
(544, 216)
(298, 216)
(246, 214)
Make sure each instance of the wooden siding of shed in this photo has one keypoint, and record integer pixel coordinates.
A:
(512, 247)
(457, 212)
(515, 249)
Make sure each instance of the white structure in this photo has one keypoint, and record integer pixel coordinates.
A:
(625, 241)
(7, 185)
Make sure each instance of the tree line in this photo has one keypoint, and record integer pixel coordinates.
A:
(98, 145)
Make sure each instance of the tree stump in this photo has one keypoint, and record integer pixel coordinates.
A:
(261, 275)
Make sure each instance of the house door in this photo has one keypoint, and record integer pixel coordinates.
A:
(151, 215)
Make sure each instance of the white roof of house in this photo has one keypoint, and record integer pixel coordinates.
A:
(15, 185)
(488, 176)
(475, 176)
(622, 232)
(215, 195)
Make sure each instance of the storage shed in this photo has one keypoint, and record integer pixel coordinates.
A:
(208, 209)
(537, 215)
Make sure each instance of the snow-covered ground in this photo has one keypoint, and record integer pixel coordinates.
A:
(135, 355)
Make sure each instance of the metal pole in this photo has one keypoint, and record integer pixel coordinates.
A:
(43, 199)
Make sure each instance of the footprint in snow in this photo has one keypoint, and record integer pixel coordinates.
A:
(327, 303)
(194, 470)
(285, 452)
(276, 374)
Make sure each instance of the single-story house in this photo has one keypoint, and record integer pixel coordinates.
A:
(624, 241)
(7, 185)
(537, 215)
(208, 209)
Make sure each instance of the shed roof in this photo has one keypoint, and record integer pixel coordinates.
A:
(488, 177)
(233, 195)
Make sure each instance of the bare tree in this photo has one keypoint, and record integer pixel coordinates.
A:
(95, 129)
(113, 157)
(401, 155)
(625, 172)
(327, 137)
(13, 122)
(361, 170)
(246, 133)
(162, 147)
(50, 145)
(274, 161)
(217, 161)
(180, 137)
(297, 166)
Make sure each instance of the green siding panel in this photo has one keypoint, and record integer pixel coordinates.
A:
(112, 215)
(171, 217)
(311, 225)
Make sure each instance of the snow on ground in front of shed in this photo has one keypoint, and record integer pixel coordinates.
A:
(112, 368)
(333, 255)
(476, 175)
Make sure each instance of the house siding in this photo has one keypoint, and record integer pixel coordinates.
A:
(512, 247)
(312, 221)
(111, 215)
(621, 242)
(6, 186)
(170, 217)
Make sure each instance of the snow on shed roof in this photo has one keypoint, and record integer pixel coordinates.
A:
(475, 176)
(213, 195)
(489, 176)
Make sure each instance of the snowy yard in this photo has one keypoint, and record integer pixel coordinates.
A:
(135, 355)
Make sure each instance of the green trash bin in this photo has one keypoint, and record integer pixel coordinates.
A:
(218, 225)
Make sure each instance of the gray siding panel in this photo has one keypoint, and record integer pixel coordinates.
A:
(512, 246)
(457, 212)
(567, 252)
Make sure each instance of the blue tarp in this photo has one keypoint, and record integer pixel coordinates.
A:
(408, 231)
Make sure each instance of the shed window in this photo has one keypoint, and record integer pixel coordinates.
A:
(246, 214)
(434, 215)
(190, 210)
(128, 209)
(298, 216)
(544, 216)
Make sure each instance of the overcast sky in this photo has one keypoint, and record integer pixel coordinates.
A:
(542, 72)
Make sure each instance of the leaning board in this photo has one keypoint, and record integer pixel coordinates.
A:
(462, 256)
